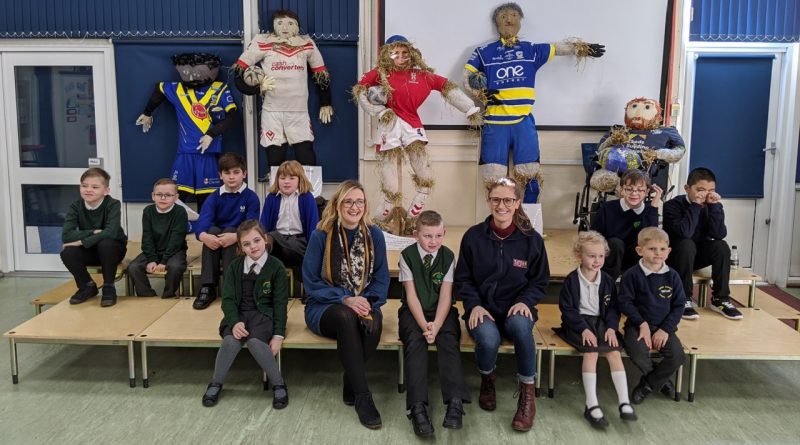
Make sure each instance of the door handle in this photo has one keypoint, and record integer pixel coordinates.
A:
(771, 149)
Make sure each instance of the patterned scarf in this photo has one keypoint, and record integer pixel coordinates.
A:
(349, 267)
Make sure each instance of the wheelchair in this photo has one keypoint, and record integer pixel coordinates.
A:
(588, 200)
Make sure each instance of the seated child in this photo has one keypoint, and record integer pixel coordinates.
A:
(620, 221)
(589, 321)
(651, 296)
(163, 242)
(92, 235)
(255, 294)
(290, 214)
(221, 214)
(427, 317)
(695, 223)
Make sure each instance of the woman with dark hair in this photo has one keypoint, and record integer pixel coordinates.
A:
(501, 275)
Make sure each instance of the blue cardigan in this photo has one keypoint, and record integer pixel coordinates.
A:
(309, 215)
(320, 295)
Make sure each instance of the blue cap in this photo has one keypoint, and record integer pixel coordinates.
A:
(396, 38)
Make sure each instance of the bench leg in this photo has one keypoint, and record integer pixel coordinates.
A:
(131, 364)
(678, 383)
(538, 373)
(401, 377)
(191, 284)
(702, 294)
(278, 359)
(264, 380)
(37, 308)
(12, 346)
(692, 375)
(145, 379)
(751, 299)
(551, 391)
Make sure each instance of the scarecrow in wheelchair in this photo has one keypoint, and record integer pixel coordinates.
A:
(643, 143)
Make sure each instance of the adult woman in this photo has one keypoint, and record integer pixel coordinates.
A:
(346, 280)
(501, 275)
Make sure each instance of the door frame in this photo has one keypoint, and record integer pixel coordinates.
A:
(111, 162)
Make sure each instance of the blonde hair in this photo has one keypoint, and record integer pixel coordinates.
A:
(520, 219)
(292, 168)
(589, 237)
(651, 234)
(331, 213)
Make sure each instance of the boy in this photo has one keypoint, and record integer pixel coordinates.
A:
(221, 214)
(651, 296)
(620, 221)
(695, 223)
(92, 235)
(427, 317)
(163, 242)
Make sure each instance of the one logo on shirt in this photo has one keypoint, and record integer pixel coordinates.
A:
(242, 209)
(510, 71)
(437, 278)
(266, 288)
(665, 292)
(522, 264)
(199, 111)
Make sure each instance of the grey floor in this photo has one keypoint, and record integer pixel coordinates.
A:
(79, 394)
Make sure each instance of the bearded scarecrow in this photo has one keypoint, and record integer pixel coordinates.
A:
(392, 92)
(275, 65)
(205, 110)
(636, 145)
(502, 75)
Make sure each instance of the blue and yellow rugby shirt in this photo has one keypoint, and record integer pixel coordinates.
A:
(193, 110)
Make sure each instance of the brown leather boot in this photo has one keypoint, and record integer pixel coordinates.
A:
(488, 398)
(526, 407)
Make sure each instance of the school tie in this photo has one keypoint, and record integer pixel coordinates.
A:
(426, 261)
(252, 269)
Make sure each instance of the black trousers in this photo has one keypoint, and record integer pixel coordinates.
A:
(303, 153)
(210, 263)
(354, 346)
(107, 253)
(176, 266)
(688, 256)
(448, 352)
(620, 257)
(655, 374)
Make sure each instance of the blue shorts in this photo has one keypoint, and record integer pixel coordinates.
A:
(520, 138)
(195, 173)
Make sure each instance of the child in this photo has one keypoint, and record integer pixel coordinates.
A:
(221, 214)
(695, 223)
(290, 213)
(254, 298)
(651, 296)
(92, 235)
(621, 220)
(427, 317)
(589, 321)
(163, 242)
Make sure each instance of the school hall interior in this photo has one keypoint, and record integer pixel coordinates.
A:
(75, 76)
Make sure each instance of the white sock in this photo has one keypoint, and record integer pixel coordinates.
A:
(590, 388)
(621, 385)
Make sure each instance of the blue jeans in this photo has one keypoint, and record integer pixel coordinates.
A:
(517, 328)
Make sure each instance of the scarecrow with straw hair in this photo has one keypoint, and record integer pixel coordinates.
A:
(502, 75)
(638, 144)
(393, 91)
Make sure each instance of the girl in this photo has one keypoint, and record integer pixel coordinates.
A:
(501, 275)
(589, 320)
(254, 298)
(290, 213)
(346, 279)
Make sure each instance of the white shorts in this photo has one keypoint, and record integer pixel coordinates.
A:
(278, 127)
(400, 134)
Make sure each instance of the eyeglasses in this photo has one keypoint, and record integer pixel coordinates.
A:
(507, 201)
(163, 195)
(349, 203)
(631, 191)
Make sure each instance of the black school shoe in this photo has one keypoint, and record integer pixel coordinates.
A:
(726, 308)
(641, 391)
(627, 416)
(212, 393)
(109, 297)
(689, 312)
(205, 297)
(452, 417)
(368, 414)
(280, 402)
(84, 294)
(420, 420)
(668, 389)
(595, 422)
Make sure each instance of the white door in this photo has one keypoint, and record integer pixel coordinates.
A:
(57, 120)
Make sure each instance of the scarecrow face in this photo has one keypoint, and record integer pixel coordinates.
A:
(508, 23)
(401, 56)
(196, 76)
(642, 114)
(285, 27)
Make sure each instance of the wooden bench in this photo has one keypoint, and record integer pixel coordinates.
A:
(767, 302)
(549, 318)
(90, 324)
(57, 294)
(702, 277)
